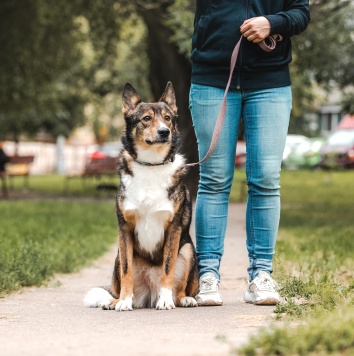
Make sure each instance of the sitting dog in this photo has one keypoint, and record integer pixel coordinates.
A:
(155, 265)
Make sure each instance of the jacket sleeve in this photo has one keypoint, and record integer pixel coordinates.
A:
(292, 20)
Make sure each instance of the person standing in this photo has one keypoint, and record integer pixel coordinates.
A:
(260, 94)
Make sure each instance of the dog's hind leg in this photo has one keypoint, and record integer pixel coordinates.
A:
(193, 282)
(185, 288)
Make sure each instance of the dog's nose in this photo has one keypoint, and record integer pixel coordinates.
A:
(163, 131)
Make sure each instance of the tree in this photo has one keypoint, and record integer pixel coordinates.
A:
(56, 58)
(323, 54)
(38, 67)
(169, 63)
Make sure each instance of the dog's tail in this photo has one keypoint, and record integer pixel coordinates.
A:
(98, 297)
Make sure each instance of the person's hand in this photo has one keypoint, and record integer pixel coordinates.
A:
(256, 29)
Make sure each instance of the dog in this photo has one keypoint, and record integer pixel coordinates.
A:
(156, 262)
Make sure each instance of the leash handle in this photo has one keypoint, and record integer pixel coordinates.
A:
(267, 45)
(270, 42)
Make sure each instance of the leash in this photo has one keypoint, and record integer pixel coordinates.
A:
(267, 45)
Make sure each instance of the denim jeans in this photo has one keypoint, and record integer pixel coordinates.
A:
(265, 114)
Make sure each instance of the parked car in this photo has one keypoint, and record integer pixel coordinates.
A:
(292, 142)
(338, 150)
(305, 154)
(109, 149)
(240, 157)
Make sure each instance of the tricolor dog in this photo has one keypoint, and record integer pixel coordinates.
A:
(155, 265)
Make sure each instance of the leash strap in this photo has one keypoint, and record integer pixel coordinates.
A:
(267, 45)
(270, 42)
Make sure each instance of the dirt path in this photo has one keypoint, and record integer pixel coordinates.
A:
(52, 321)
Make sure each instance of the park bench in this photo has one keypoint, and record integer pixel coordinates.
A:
(96, 168)
(17, 166)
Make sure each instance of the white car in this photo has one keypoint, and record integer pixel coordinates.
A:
(293, 142)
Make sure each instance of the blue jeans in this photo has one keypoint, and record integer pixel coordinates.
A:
(265, 114)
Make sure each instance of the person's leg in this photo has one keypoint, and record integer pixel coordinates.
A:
(216, 173)
(266, 116)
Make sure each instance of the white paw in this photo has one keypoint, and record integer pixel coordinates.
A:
(165, 301)
(125, 304)
(188, 302)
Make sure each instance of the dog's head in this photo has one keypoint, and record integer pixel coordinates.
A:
(151, 133)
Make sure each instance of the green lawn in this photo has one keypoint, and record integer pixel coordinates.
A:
(58, 185)
(41, 237)
(314, 264)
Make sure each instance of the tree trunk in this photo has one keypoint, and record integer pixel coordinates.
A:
(167, 64)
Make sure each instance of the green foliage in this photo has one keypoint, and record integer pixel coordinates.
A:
(53, 236)
(348, 102)
(323, 56)
(315, 246)
(49, 186)
(334, 334)
(59, 56)
(64, 62)
(314, 265)
(180, 20)
(325, 49)
(39, 66)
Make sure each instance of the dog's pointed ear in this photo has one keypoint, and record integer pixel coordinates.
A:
(130, 99)
(169, 97)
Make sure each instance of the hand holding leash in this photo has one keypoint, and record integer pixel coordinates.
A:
(256, 29)
(267, 45)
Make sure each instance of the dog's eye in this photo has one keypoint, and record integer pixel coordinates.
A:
(147, 118)
(167, 118)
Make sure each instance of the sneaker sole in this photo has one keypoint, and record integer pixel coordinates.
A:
(209, 303)
(269, 301)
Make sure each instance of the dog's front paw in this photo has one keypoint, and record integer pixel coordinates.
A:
(165, 301)
(188, 302)
(125, 304)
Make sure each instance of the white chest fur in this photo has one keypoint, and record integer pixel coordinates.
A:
(146, 196)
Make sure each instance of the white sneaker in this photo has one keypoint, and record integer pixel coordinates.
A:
(262, 290)
(208, 290)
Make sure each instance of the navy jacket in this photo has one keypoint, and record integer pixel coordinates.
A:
(217, 30)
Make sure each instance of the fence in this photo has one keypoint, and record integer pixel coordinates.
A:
(45, 156)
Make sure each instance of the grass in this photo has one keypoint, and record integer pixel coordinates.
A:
(42, 237)
(58, 185)
(314, 264)
(334, 334)
(48, 229)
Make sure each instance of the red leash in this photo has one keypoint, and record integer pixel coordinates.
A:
(267, 45)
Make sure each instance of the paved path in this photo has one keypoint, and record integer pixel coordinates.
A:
(52, 321)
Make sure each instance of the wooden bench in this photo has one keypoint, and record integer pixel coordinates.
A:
(96, 168)
(17, 166)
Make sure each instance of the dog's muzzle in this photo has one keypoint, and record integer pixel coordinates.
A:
(162, 136)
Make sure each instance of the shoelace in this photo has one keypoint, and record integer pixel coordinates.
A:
(266, 284)
(207, 284)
